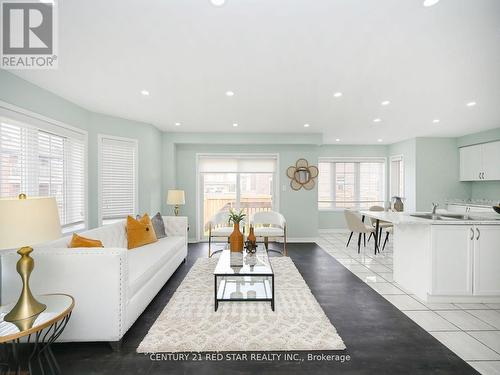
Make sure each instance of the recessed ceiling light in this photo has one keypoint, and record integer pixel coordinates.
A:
(229, 93)
(435, 121)
(177, 124)
(218, 3)
(471, 104)
(380, 140)
(306, 125)
(337, 94)
(145, 92)
(429, 3)
(386, 102)
(337, 140)
(235, 125)
(377, 120)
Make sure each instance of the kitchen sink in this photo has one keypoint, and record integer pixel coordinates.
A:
(427, 216)
(456, 216)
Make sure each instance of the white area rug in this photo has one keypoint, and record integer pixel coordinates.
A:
(189, 323)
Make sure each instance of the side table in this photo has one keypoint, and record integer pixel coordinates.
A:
(26, 343)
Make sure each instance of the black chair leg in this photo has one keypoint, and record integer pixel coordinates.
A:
(364, 239)
(385, 241)
(370, 236)
(349, 240)
(359, 242)
(379, 238)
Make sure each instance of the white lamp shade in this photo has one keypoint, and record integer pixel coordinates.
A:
(26, 222)
(175, 197)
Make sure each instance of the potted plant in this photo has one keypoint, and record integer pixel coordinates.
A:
(236, 238)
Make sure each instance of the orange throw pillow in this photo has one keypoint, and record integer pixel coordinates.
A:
(79, 241)
(140, 232)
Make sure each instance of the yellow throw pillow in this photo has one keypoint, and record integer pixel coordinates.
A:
(140, 232)
(79, 241)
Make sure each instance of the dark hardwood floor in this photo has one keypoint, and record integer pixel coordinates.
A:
(379, 338)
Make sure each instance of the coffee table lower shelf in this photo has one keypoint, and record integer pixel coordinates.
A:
(230, 288)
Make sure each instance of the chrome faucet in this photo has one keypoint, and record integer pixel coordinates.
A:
(434, 207)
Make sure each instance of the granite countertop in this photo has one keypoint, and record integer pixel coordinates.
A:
(404, 218)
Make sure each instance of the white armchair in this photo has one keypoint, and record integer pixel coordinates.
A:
(219, 226)
(270, 224)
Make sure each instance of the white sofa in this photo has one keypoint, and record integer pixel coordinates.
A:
(112, 285)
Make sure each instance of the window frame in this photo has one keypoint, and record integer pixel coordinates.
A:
(370, 159)
(26, 118)
(199, 176)
(402, 172)
(135, 142)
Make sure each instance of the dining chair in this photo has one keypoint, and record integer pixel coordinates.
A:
(356, 225)
(382, 224)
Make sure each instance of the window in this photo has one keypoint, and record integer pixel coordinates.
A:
(44, 160)
(397, 176)
(117, 178)
(351, 183)
(246, 182)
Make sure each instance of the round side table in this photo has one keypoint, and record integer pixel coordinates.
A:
(26, 343)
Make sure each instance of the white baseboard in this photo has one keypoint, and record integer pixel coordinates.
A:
(301, 239)
(335, 230)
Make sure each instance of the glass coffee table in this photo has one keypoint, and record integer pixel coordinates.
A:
(244, 277)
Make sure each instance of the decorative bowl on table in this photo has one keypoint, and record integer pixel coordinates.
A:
(497, 209)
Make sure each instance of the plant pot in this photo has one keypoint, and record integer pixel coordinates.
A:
(236, 239)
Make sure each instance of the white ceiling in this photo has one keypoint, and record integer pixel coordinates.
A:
(284, 59)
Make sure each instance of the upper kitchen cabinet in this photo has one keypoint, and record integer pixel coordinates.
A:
(480, 162)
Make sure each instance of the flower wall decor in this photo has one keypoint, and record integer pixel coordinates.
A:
(302, 175)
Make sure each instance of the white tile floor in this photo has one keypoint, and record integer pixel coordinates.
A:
(471, 330)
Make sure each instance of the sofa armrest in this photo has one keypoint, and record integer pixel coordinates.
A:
(176, 226)
(95, 277)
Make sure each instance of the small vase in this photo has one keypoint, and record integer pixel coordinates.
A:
(251, 236)
(236, 239)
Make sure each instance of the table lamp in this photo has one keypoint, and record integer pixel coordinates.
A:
(176, 198)
(23, 222)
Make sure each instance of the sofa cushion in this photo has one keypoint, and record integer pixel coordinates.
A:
(140, 232)
(159, 225)
(80, 241)
(145, 261)
(111, 235)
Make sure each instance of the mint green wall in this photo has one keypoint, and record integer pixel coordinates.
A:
(483, 189)
(334, 219)
(438, 172)
(167, 160)
(298, 207)
(21, 93)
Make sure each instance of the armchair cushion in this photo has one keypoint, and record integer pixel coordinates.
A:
(269, 232)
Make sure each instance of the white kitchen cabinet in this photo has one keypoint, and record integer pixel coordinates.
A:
(480, 162)
(486, 260)
(491, 161)
(470, 163)
(452, 257)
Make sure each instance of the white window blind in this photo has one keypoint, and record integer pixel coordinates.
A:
(44, 161)
(351, 183)
(117, 177)
(237, 164)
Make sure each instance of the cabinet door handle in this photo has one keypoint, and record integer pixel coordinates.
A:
(478, 233)
(471, 233)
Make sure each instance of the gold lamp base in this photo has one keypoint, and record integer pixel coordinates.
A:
(26, 306)
(176, 210)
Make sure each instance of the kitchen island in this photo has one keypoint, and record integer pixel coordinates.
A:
(441, 258)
